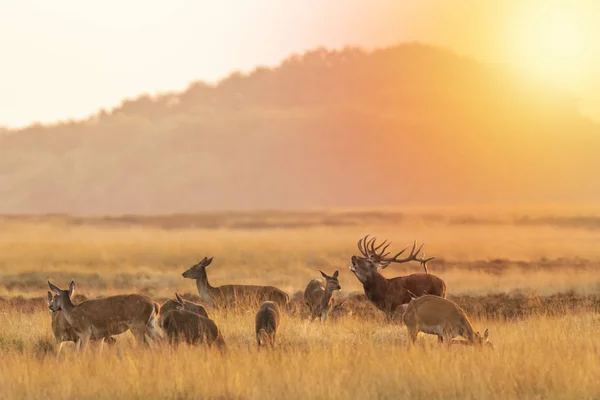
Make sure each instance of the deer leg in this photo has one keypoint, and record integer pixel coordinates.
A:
(84, 338)
(100, 346)
(60, 345)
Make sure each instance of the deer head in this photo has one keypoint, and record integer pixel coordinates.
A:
(62, 298)
(482, 340)
(331, 282)
(198, 271)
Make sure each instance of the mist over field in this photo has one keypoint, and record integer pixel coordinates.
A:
(403, 125)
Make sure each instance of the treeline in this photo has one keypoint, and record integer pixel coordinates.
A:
(410, 124)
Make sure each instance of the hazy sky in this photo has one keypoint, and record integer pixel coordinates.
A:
(67, 58)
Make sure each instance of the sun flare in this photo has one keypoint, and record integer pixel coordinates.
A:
(554, 43)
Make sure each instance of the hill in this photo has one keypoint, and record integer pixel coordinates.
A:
(409, 124)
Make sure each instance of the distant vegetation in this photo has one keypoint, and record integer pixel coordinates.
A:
(406, 124)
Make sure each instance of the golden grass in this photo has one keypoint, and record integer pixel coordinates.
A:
(535, 357)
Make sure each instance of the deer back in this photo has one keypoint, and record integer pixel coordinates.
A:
(313, 293)
(248, 295)
(435, 311)
(113, 314)
(187, 305)
(267, 317)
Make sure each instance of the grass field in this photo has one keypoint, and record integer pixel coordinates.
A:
(547, 262)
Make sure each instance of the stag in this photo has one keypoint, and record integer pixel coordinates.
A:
(232, 295)
(391, 295)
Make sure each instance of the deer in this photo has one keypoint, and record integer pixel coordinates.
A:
(392, 295)
(187, 305)
(232, 295)
(107, 316)
(319, 297)
(266, 324)
(180, 324)
(64, 332)
(442, 317)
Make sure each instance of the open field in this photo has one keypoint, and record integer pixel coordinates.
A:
(532, 278)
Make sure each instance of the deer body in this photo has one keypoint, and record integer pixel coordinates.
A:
(266, 324)
(187, 326)
(232, 295)
(319, 297)
(438, 316)
(391, 295)
(100, 318)
(64, 332)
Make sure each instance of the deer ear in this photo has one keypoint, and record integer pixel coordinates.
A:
(54, 288)
(71, 288)
(323, 274)
(207, 261)
(50, 296)
(335, 274)
(179, 299)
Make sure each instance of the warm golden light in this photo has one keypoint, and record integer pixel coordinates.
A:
(554, 43)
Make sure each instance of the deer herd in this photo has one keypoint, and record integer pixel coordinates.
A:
(419, 300)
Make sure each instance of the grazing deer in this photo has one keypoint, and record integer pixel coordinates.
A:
(389, 295)
(64, 332)
(187, 305)
(438, 316)
(232, 295)
(107, 316)
(266, 324)
(319, 299)
(182, 325)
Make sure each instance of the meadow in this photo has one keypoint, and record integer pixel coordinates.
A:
(531, 276)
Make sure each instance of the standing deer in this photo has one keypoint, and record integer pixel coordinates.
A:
(438, 316)
(107, 316)
(187, 305)
(64, 332)
(232, 295)
(319, 299)
(266, 324)
(182, 325)
(390, 295)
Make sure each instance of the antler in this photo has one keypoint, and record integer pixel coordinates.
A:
(368, 249)
(413, 256)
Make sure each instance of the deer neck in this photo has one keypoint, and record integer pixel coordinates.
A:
(205, 291)
(376, 282)
(67, 309)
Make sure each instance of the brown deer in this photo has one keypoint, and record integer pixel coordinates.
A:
(187, 305)
(232, 295)
(319, 298)
(107, 316)
(390, 295)
(64, 332)
(266, 324)
(190, 327)
(442, 317)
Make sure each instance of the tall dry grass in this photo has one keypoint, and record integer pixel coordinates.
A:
(535, 358)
